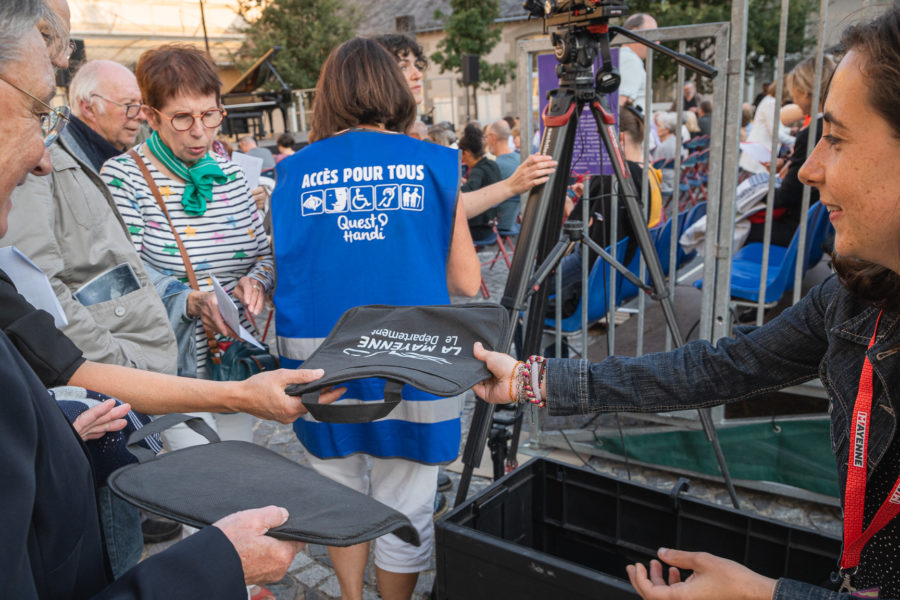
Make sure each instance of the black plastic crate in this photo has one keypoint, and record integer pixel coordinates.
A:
(550, 530)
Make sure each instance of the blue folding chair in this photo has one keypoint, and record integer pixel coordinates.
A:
(662, 239)
(823, 228)
(628, 290)
(598, 294)
(746, 266)
(697, 143)
(693, 215)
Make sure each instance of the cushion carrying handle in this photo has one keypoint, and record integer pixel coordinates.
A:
(161, 424)
(363, 412)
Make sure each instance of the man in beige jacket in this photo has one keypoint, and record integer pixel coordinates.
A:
(68, 225)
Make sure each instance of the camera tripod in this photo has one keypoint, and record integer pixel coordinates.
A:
(581, 39)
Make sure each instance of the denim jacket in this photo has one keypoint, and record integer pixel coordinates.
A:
(174, 295)
(825, 334)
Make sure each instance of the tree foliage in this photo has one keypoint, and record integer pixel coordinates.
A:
(763, 21)
(306, 30)
(470, 29)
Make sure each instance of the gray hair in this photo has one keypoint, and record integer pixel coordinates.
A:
(669, 120)
(84, 85)
(439, 135)
(635, 21)
(500, 129)
(419, 128)
(17, 17)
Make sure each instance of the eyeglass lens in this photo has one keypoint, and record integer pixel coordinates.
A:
(211, 118)
(132, 110)
(52, 124)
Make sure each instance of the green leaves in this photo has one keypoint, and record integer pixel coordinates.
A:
(306, 30)
(470, 29)
(762, 27)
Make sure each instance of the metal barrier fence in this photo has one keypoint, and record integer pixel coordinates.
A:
(716, 309)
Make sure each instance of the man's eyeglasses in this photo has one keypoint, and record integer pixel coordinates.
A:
(131, 110)
(53, 121)
(183, 121)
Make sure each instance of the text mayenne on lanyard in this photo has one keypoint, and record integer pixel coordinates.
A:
(855, 492)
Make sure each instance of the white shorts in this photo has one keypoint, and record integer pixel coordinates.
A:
(406, 486)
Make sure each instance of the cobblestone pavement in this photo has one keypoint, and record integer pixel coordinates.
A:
(311, 576)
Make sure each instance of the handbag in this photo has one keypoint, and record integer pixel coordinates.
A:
(228, 360)
(241, 360)
(199, 485)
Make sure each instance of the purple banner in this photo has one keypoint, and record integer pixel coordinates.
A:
(588, 155)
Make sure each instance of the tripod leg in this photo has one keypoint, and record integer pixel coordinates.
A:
(474, 448)
(543, 217)
(538, 235)
(709, 428)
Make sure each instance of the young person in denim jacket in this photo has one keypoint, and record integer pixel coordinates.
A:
(830, 333)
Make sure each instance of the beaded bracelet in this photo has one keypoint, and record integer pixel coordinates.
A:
(532, 376)
(535, 380)
(512, 378)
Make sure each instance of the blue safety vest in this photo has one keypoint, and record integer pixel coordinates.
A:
(365, 217)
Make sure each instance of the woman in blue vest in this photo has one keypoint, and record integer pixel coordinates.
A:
(367, 215)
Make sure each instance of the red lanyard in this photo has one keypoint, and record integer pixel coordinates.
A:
(855, 493)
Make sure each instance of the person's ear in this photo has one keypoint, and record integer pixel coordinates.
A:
(150, 116)
(88, 110)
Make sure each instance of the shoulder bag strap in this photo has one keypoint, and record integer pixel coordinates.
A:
(214, 353)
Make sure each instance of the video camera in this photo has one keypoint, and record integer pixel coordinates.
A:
(575, 12)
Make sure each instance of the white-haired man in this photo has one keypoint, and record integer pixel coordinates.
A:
(106, 102)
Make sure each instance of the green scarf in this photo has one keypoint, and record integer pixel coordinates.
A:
(199, 177)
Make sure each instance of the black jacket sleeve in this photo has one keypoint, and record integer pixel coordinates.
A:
(203, 565)
(47, 350)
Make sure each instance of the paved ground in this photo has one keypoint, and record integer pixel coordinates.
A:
(311, 576)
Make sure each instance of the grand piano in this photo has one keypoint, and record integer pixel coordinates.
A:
(246, 106)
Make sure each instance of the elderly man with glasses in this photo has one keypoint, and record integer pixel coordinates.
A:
(106, 105)
(68, 225)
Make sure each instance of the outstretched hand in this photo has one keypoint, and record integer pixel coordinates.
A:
(263, 559)
(99, 420)
(713, 578)
(536, 170)
(263, 394)
(496, 389)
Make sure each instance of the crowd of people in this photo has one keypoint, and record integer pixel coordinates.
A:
(96, 204)
(135, 233)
